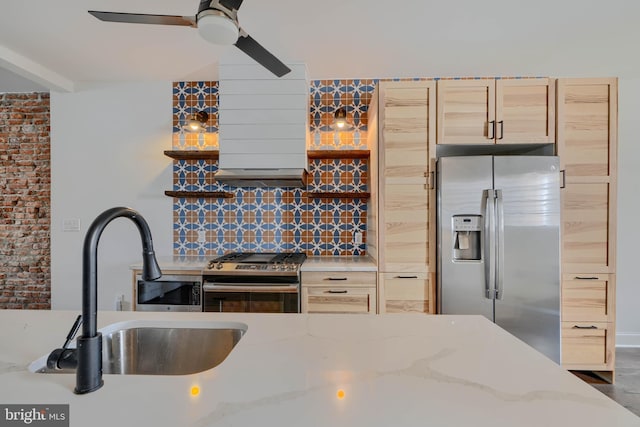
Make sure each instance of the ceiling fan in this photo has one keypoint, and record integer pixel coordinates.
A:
(216, 21)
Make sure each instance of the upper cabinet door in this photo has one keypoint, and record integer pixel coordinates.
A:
(587, 126)
(466, 111)
(496, 111)
(525, 111)
(405, 132)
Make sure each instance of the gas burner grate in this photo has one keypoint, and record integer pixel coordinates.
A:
(232, 257)
(278, 258)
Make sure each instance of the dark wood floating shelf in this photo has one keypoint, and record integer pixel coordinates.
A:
(192, 155)
(199, 194)
(345, 195)
(338, 154)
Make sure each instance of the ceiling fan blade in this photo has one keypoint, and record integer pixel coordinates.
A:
(262, 56)
(142, 18)
(231, 4)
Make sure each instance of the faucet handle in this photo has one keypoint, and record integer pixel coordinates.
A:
(62, 358)
(74, 330)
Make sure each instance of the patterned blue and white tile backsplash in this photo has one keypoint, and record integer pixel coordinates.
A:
(273, 219)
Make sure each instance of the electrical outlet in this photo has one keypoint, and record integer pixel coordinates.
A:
(119, 302)
(357, 237)
(202, 236)
(71, 224)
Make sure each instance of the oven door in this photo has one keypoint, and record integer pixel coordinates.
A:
(251, 295)
(169, 293)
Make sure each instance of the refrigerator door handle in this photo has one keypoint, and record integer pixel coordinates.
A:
(488, 200)
(499, 236)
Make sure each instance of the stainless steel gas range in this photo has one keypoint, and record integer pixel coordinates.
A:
(253, 282)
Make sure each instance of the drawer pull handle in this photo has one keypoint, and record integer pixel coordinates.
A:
(584, 327)
(331, 291)
(585, 278)
(406, 277)
(336, 278)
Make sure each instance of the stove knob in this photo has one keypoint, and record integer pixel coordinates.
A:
(219, 266)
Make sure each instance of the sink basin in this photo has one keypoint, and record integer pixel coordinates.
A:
(162, 348)
(166, 351)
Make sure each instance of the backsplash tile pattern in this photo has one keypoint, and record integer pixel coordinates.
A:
(326, 96)
(273, 219)
(337, 175)
(189, 98)
(268, 219)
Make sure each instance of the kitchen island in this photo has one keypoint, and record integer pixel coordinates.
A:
(318, 370)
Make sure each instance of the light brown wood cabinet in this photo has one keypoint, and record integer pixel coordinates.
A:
(587, 243)
(587, 146)
(496, 111)
(404, 207)
(339, 292)
(589, 346)
(588, 298)
(407, 292)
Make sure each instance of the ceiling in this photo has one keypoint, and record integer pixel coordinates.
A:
(59, 45)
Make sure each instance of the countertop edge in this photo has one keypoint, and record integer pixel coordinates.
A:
(312, 263)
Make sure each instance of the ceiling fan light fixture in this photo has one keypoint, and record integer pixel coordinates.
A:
(216, 27)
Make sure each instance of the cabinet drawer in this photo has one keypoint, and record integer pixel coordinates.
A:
(338, 300)
(339, 278)
(587, 297)
(588, 346)
(405, 293)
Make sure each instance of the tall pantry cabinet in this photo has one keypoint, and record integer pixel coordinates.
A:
(402, 127)
(587, 146)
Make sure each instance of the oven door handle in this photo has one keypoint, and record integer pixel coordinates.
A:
(248, 287)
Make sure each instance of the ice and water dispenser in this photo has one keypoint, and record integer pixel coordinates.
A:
(467, 237)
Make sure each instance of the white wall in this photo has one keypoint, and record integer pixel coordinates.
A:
(106, 150)
(628, 249)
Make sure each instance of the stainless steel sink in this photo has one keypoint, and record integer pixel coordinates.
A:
(162, 350)
(166, 351)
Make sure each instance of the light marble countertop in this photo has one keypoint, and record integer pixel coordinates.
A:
(343, 263)
(312, 263)
(178, 263)
(395, 370)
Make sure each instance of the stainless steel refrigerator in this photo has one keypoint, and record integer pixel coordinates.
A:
(499, 244)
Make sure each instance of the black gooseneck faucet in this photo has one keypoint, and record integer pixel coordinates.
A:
(89, 345)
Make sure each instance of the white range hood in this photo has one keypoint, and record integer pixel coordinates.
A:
(263, 126)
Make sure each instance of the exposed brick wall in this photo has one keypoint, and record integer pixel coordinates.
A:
(25, 200)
